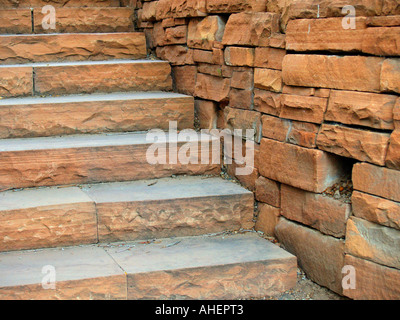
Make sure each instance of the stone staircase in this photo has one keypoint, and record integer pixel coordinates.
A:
(77, 192)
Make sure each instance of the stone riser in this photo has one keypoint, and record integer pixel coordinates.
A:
(170, 207)
(68, 20)
(213, 267)
(83, 159)
(39, 117)
(84, 77)
(18, 49)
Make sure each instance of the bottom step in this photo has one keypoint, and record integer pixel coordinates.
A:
(206, 267)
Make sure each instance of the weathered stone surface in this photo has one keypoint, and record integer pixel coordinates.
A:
(325, 214)
(184, 79)
(381, 41)
(390, 76)
(251, 29)
(307, 169)
(234, 6)
(149, 11)
(106, 113)
(361, 108)
(215, 56)
(270, 58)
(324, 35)
(396, 114)
(33, 219)
(178, 207)
(376, 209)
(176, 55)
(175, 35)
(320, 256)
(267, 219)
(275, 128)
(82, 273)
(57, 3)
(97, 158)
(244, 120)
(87, 20)
(303, 134)
(268, 191)
(239, 56)
(207, 268)
(15, 21)
(302, 108)
(203, 32)
(373, 242)
(212, 88)
(16, 81)
(247, 180)
(393, 155)
(267, 102)
(207, 113)
(376, 180)
(347, 73)
(373, 281)
(180, 9)
(354, 143)
(242, 79)
(268, 79)
(389, 21)
(242, 99)
(103, 77)
(312, 9)
(71, 47)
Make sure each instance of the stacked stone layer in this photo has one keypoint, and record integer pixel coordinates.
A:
(324, 100)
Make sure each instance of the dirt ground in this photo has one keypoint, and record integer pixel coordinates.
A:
(307, 290)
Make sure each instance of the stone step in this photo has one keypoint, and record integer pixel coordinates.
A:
(84, 77)
(95, 113)
(68, 20)
(87, 20)
(31, 48)
(52, 161)
(57, 3)
(122, 211)
(205, 267)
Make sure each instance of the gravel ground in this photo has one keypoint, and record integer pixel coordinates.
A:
(307, 290)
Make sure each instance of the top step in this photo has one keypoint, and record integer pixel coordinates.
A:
(57, 3)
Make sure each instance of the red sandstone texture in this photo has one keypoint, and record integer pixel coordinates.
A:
(320, 114)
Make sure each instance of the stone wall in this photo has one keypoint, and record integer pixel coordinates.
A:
(324, 101)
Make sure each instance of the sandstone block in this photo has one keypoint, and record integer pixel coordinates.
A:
(16, 81)
(325, 214)
(390, 76)
(203, 32)
(268, 79)
(239, 56)
(354, 143)
(268, 191)
(381, 41)
(302, 108)
(250, 29)
(267, 219)
(270, 58)
(373, 281)
(376, 209)
(184, 79)
(373, 242)
(376, 180)
(267, 102)
(361, 108)
(212, 88)
(347, 73)
(324, 35)
(320, 256)
(307, 169)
